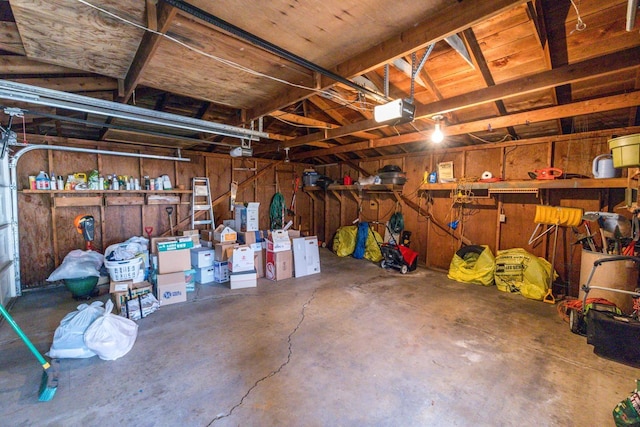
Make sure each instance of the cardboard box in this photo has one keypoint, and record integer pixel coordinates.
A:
(202, 257)
(190, 279)
(279, 265)
(245, 279)
(250, 237)
(156, 240)
(190, 233)
(220, 271)
(258, 261)
(306, 257)
(174, 261)
(241, 259)
(177, 244)
(120, 291)
(223, 251)
(224, 234)
(170, 288)
(278, 241)
(205, 275)
(207, 243)
(231, 223)
(247, 216)
(206, 235)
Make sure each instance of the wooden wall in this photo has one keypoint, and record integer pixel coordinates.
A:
(322, 213)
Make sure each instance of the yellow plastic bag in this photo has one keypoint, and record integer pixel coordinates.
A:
(344, 242)
(473, 264)
(372, 250)
(518, 271)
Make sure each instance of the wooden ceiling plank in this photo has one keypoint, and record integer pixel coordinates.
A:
(10, 38)
(147, 48)
(14, 64)
(551, 113)
(450, 20)
(72, 84)
(338, 117)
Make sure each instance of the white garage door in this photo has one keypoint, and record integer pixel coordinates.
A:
(7, 267)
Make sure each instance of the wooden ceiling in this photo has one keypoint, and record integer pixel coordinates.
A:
(522, 69)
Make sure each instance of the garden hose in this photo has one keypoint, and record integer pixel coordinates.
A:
(396, 222)
(276, 211)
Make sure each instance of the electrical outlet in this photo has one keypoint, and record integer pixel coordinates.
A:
(503, 218)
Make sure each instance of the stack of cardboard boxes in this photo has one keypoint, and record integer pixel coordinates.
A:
(172, 264)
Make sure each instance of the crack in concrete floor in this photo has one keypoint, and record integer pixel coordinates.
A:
(276, 371)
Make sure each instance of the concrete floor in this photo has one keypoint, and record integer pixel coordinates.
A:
(355, 345)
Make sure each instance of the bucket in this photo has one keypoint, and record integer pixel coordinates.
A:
(626, 151)
(616, 274)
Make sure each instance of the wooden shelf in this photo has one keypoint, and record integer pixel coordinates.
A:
(504, 186)
(76, 192)
(369, 188)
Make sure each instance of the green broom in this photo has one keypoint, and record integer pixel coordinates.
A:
(49, 383)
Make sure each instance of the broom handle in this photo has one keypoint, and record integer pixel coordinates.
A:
(24, 338)
(553, 257)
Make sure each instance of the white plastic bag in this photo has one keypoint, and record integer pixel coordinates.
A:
(68, 340)
(78, 264)
(111, 336)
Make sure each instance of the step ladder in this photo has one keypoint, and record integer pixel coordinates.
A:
(201, 202)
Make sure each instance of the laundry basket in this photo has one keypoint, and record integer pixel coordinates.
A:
(122, 270)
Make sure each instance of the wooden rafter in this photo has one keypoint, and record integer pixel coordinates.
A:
(579, 71)
(551, 113)
(480, 61)
(449, 20)
(148, 46)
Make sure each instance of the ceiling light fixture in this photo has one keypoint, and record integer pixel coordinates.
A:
(437, 136)
(400, 110)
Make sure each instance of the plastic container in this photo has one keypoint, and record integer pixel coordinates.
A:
(309, 179)
(626, 151)
(81, 287)
(42, 181)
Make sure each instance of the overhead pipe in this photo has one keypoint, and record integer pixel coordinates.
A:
(13, 187)
(54, 98)
(268, 46)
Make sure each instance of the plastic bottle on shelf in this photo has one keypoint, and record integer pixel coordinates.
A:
(52, 182)
(60, 183)
(42, 181)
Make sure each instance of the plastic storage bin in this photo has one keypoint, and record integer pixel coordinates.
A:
(626, 151)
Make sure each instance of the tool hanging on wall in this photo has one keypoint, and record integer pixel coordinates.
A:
(292, 207)
(169, 210)
(276, 211)
(234, 193)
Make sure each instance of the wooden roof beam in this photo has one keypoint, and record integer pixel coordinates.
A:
(579, 71)
(161, 16)
(609, 103)
(444, 22)
(481, 63)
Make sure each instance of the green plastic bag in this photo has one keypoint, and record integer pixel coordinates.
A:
(344, 242)
(518, 271)
(474, 264)
(626, 412)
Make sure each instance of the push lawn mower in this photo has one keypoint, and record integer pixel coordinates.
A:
(614, 335)
(396, 256)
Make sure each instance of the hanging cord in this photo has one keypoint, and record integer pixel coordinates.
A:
(276, 211)
(580, 26)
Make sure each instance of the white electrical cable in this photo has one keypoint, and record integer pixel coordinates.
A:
(580, 26)
(208, 55)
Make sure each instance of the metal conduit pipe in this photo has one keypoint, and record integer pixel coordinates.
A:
(13, 186)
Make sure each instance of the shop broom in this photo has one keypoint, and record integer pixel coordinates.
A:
(49, 382)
